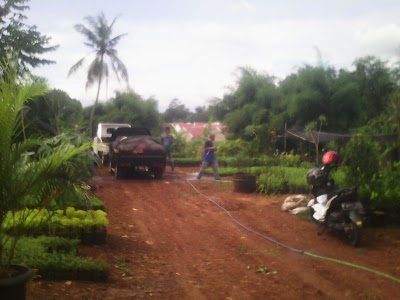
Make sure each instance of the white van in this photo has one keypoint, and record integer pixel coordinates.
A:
(102, 138)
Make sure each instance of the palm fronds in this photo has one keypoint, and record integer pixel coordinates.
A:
(28, 176)
(99, 38)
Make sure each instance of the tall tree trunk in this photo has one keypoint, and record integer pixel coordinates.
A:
(95, 102)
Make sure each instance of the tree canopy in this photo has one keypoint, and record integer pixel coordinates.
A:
(53, 114)
(129, 107)
(347, 99)
(18, 37)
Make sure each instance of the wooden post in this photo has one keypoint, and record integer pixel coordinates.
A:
(284, 141)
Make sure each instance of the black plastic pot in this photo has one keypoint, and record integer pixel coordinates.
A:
(244, 183)
(14, 288)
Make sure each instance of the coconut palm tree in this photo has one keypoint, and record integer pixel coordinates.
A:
(99, 39)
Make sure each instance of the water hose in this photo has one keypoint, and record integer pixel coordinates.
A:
(338, 261)
(353, 266)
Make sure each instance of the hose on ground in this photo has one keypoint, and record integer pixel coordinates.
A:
(338, 261)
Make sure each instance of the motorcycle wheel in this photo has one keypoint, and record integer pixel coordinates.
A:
(353, 234)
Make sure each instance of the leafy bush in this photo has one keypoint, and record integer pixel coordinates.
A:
(78, 198)
(84, 162)
(193, 149)
(232, 148)
(362, 158)
(383, 190)
(283, 180)
(370, 166)
(289, 160)
(273, 182)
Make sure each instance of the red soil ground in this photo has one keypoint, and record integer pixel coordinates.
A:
(177, 245)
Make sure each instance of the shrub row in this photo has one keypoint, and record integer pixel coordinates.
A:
(87, 225)
(284, 160)
(56, 258)
(274, 180)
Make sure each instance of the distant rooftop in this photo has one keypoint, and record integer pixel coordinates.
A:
(195, 130)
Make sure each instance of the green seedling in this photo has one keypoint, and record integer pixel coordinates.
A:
(265, 271)
(123, 264)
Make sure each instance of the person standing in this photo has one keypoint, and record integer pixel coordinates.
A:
(167, 140)
(209, 158)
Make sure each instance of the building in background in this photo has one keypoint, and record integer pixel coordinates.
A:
(196, 130)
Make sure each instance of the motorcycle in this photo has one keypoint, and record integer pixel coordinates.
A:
(339, 212)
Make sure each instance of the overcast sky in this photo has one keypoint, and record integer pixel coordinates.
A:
(190, 49)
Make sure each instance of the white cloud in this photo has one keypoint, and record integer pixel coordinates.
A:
(193, 60)
(382, 40)
(247, 5)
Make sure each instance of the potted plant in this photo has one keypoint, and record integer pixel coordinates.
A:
(244, 181)
(27, 178)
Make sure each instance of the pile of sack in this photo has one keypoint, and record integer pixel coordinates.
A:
(295, 204)
(138, 145)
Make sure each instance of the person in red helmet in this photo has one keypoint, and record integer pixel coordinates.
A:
(330, 159)
(322, 184)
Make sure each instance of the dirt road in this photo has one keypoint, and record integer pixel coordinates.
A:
(166, 241)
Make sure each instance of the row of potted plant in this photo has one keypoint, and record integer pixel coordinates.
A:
(89, 226)
(57, 258)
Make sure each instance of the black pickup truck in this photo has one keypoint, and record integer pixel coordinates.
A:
(134, 150)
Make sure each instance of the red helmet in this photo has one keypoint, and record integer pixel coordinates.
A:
(330, 157)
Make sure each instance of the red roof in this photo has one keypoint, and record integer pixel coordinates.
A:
(196, 129)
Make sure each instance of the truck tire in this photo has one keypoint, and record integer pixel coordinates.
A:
(105, 159)
(110, 168)
(120, 173)
(158, 173)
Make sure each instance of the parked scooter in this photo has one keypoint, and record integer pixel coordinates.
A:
(336, 211)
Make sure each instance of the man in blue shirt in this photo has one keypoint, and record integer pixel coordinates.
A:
(209, 158)
(167, 140)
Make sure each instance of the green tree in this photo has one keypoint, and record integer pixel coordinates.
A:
(309, 94)
(346, 110)
(394, 112)
(219, 108)
(311, 128)
(250, 103)
(131, 108)
(15, 36)
(100, 40)
(53, 114)
(375, 83)
(200, 114)
(176, 112)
